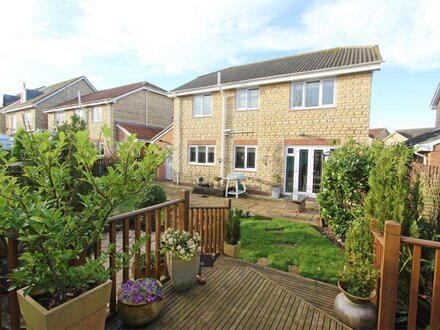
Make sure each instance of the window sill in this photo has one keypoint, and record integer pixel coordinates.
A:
(331, 106)
(247, 109)
(201, 116)
(196, 164)
(245, 169)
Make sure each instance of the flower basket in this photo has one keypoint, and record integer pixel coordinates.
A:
(140, 301)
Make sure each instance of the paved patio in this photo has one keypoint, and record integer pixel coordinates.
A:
(255, 205)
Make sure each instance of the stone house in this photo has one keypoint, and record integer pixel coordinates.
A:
(140, 108)
(272, 120)
(28, 111)
(377, 134)
(403, 135)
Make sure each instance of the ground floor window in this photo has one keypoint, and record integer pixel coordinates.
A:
(101, 147)
(201, 155)
(245, 157)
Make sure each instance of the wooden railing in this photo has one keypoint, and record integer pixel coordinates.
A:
(124, 229)
(386, 258)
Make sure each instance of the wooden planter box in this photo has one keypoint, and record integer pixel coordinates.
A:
(209, 191)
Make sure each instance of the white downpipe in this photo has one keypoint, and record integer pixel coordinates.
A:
(222, 164)
(176, 99)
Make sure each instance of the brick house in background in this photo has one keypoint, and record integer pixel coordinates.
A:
(140, 108)
(403, 135)
(28, 111)
(277, 117)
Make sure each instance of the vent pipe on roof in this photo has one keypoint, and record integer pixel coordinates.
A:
(23, 93)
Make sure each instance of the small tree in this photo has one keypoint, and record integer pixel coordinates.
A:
(232, 227)
(41, 215)
(344, 184)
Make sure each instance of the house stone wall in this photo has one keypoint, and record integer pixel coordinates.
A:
(2, 123)
(270, 127)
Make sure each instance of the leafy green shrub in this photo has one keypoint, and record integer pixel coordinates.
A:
(359, 275)
(232, 227)
(344, 184)
(42, 217)
(18, 150)
(152, 194)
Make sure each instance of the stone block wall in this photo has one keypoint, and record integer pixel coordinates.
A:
(270, 127)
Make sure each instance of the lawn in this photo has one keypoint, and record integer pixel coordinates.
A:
(287, 243)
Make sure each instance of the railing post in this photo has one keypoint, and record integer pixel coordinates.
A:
(184, 211)
(14, 309)
(389, 273)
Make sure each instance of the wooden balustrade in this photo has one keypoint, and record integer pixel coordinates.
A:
(124, 229)
(386, 259)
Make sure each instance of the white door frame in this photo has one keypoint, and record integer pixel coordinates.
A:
(310, 163)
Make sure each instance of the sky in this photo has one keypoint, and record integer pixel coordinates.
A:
(168, 43)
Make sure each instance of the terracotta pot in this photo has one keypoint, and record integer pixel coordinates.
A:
(135, 315)
(183, 273)
(232, 250)
(356, 312)
(86, 311)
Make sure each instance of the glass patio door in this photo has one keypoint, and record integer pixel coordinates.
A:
(303, 169)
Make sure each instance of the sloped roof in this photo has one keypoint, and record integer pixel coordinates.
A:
(142, 132)
(413, 132)
(378, 133)
(110, 93)
(424, 138)
(436, 99)
(324, 59)
(46, 91)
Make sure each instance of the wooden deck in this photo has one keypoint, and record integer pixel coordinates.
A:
(241, 295)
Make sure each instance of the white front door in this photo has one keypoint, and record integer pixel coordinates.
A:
(303, 169)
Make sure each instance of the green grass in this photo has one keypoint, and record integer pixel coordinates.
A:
(126, 206)
(313, 253)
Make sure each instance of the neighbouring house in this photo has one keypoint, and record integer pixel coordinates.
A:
(279, 117)
(403, 135)
(427, 147)
(5, 100)
(28, 111)
(140, 108)
(377, 134)
(165, 139)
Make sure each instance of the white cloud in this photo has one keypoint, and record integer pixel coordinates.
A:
(198, 36)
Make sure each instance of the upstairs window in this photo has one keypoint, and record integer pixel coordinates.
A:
(202, 105)
(201, 155)
(59, 117)
(97, 114)
(313, 94)
(247, 99)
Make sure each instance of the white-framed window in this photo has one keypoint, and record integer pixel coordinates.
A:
(201, 155)
(79, 113)
(13, 122)
(97, 114)
(313, 94)
(101, 147)
(247, 99)
(245, 158)
(202, 105)
(27, 119)
(59, 117)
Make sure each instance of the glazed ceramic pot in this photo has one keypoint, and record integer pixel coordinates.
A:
(183, 273)
(356, 312)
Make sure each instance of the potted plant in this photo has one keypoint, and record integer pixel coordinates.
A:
(58, 213)
(140, 301)
(217, 182)
(353, 305)
(182, 254)
(231, 247)
(277, 181)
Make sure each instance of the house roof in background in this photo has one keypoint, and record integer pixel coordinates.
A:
(42, 93)
(436, 99)
(307, 62)
(413, 132)
(162, 133)
(142, 132)
(110, 94)
(378, 133)
(424, 138)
